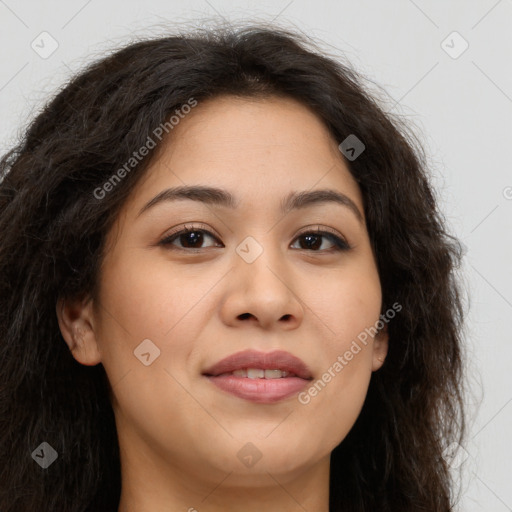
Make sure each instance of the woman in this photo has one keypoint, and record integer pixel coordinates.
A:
(226, 285)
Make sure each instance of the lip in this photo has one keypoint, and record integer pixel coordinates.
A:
(276, 360)
(260, 390)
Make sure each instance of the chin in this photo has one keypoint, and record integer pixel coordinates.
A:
(251, 462)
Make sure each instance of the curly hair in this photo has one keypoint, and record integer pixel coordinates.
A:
(53, 240)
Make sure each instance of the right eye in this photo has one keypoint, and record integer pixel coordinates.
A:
(189, 238)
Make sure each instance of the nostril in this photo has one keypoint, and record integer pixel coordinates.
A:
(244, 316)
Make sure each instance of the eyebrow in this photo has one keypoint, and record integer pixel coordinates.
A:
(217, 196)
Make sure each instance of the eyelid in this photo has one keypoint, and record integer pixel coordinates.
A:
(192, 226)
(315, 228)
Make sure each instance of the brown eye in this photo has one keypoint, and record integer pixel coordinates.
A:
(189, 238)
(314, 240)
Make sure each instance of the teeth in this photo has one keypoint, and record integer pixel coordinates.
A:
(258, 373)
(255, 373)
(274, 374)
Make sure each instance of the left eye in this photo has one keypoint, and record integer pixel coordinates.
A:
(314, 240)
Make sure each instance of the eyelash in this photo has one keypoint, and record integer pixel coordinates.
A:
(339, 243)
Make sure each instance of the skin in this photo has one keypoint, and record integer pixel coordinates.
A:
(179, 435)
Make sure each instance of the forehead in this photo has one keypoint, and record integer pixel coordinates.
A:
(258, 148)
(229, 127)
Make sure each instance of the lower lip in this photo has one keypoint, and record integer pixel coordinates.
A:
(263, 391)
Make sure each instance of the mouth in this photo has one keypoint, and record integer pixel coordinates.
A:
(260, 377)
(259, 373)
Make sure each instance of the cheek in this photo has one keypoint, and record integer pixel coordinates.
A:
(146, 299)
(349, 309)
(346, 302)
(334, 399)
(141, 303)
(150, 302)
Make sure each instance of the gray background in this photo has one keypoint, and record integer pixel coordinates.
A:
(461, 107)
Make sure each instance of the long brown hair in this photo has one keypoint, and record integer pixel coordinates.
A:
(53, 228)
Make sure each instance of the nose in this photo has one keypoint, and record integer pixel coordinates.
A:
(262, 293)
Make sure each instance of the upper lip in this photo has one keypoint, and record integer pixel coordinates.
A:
(276, 360)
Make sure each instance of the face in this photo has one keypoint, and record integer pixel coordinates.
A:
(190, 281)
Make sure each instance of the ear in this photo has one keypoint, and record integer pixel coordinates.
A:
(380, 348)
(76, 322)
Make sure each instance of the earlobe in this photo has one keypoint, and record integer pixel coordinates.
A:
(380, 348)
(76, 325)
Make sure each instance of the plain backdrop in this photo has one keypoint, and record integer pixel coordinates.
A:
(445, 66)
